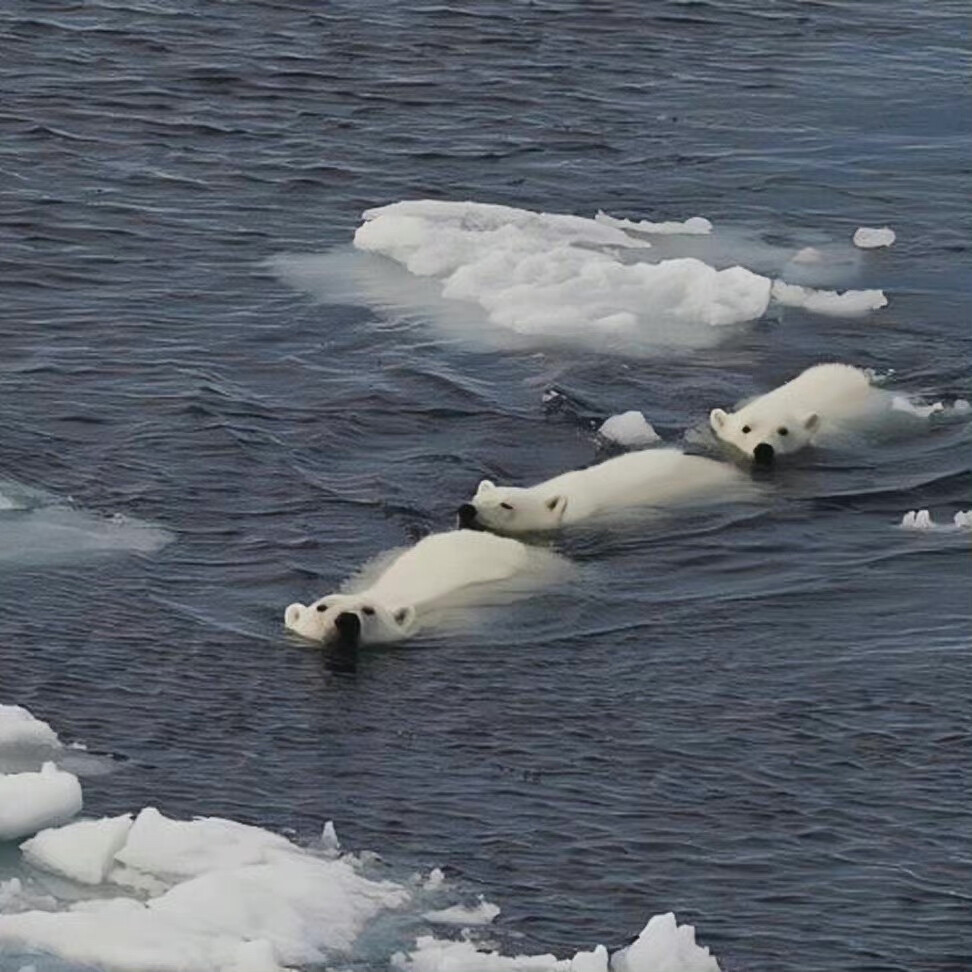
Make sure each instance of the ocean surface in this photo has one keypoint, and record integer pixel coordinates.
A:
(758, 719)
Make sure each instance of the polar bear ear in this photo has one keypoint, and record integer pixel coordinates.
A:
(486, 486)
(292, 614)
(811, 421)
(557, 505)
(717, 419)
(404, 617)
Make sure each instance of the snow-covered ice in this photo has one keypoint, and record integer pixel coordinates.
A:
(629, 429)
(20, 729)
(34, 800)
(82, 851)
(869, 238)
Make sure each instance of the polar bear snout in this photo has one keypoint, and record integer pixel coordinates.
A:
(466, 517)
(764, 454)
(348, 627)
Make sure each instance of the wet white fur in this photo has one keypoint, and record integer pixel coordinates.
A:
(421, 577)
(652, 477)
(808, 407)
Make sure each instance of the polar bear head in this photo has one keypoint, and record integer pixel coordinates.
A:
(512, 509)
(350, 619)
(762, 435)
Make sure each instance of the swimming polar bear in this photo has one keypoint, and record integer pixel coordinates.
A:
(441, 568)
(813, 405)
(648, 478)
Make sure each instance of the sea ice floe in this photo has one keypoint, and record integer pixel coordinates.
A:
(629, 429)
(31, 801)
(19, 729)
(922, 520)
(663, 946)
(850, 303)
(869, 238)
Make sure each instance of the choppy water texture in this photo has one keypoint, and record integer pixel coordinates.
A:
(759, 720)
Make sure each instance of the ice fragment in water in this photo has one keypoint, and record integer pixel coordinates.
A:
(629, 429)
(850, 303)
(82, 851)
(479, 914)
(31, 801)
(869, 238)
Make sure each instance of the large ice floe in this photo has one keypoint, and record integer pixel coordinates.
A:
(498, 275)
(36, 527)
(147, 893)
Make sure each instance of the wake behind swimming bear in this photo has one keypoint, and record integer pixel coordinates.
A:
(814, 405)
(649, 478)
(443, 569)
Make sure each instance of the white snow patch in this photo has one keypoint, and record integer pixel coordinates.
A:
(694, 226)
(869, 238)
(850, 303)
(479, 914)
(82, 851)
(629, 429)
(32, 801)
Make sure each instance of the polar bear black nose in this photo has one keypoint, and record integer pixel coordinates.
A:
(466, 515)
(349, 628)
(763, 454)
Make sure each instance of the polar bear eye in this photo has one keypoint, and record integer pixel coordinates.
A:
(783, 430)
(368, 611)
(746, 430)
(507, 506)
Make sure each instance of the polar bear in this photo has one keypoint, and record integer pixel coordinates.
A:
(797, 414)
(647, 478)
(440, 568)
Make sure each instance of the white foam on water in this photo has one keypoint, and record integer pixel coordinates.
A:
(629, 429)
(870, 238)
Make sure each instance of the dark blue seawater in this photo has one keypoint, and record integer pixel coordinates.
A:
(759, 721)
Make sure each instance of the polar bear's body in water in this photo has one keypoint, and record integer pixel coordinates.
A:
(441, 570)
(826, 405)
(651, 478)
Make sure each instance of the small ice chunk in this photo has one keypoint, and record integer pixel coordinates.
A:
(31, 801)
(438, 955)
(693, 226)
(20, 729)
(82, 851)
(869, 238)
(434, 881)
(14, 897)
(963, 520)
(917, 520)
(961, 407)
(479, 914)
(629, 429)
(329, 837)
(664, 946)
(850, 303)
(182, 848)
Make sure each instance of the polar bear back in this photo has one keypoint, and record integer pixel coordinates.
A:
(646, 478)
(829, 390)
(444, 563)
